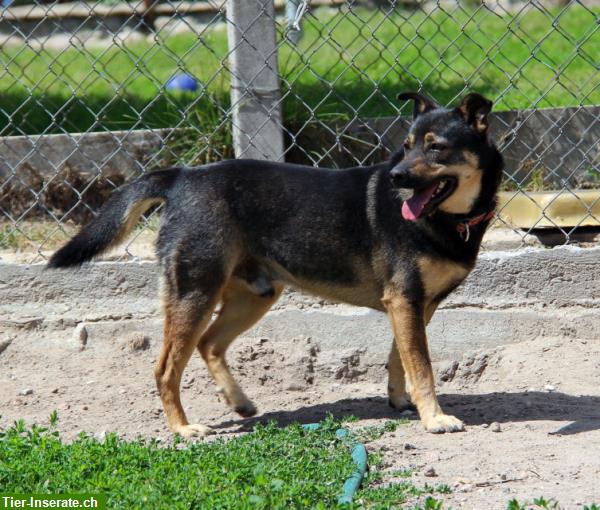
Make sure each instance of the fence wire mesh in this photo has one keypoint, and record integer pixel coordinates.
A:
(93, 94)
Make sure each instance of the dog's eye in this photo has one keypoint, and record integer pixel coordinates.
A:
(406, 144)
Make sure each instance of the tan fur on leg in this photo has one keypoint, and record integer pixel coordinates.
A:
(409, 331)
(429, 311)
(397, 394)
(240, 311)
(184, 323)
(398, 385)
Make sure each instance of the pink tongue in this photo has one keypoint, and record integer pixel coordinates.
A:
(413, 207)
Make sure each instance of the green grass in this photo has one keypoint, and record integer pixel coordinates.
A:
(270, 468)
(542, 503)
(520, 58)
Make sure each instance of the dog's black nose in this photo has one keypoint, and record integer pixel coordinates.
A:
(398, 176)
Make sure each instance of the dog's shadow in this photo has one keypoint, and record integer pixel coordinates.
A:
(583, 412)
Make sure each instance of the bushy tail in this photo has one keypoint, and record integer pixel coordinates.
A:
(116, 219)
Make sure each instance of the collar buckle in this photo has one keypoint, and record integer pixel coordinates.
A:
(464, 227)
(464, 231)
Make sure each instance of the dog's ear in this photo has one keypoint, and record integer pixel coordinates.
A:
(423, 104)
(475, 109)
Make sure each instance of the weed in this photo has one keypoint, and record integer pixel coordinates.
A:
(53, 419)
(204, 135)
(403, 473)
(589, 179)
(541, 502)
(395, 494)
(432, 504)
(374, 432)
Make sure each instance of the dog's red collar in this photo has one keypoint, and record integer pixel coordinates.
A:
(464, 227)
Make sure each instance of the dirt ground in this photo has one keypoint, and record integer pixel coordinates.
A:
(532, 409)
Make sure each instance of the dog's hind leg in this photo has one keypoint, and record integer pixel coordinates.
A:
(241, 309)
(185, 320)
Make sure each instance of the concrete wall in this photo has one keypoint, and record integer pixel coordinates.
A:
(559, 140)
(509, 297)
(123, 153)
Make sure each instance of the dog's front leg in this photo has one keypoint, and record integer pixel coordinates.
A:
(398, 384)
(408, 323)
(398, 396)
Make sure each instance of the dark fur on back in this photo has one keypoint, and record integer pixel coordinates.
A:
(311, 223)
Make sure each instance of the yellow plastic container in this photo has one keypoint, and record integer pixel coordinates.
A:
(550, 209)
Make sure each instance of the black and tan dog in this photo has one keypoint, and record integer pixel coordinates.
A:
(237, 232)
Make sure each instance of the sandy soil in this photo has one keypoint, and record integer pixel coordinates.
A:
(532, 410)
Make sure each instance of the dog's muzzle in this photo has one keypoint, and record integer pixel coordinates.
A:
(400, 177)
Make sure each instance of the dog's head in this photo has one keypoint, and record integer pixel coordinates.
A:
(446, 156)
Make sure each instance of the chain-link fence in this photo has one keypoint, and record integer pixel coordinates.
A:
(93, 94)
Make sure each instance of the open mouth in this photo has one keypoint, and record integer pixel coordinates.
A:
(427, 198)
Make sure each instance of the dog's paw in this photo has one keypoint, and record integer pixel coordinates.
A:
(401, 402)
(238, 401)
(245, 409)
(443, 423)
(193, 430)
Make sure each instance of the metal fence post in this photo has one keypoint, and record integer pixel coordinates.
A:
(255, 94)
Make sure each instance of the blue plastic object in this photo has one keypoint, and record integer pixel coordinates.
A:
(359, 456)
(351, 485)
(182, 82)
